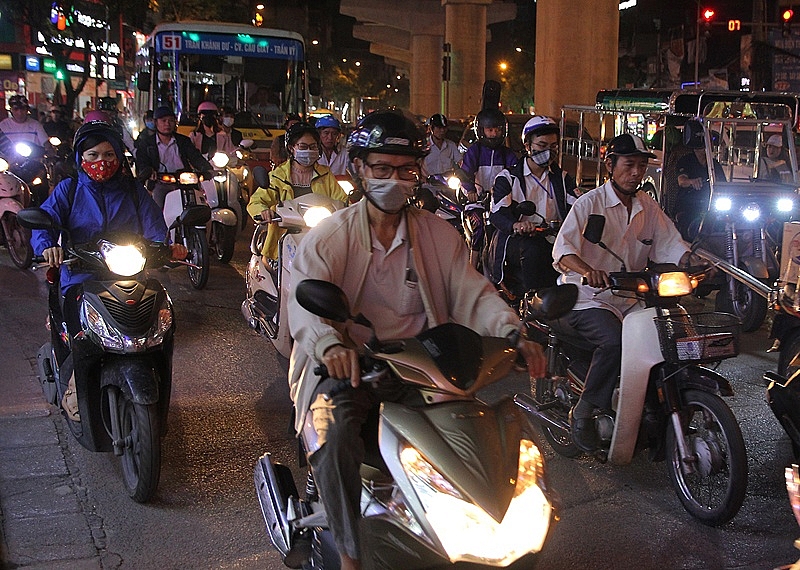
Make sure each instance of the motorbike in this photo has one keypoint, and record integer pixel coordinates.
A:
(441, 195)
(264, 307)
(57, 161)
(665, 400)
(454, 479)
(27, 162)
(121, 354)
(189, 197)
(14, 196)
(227, 213)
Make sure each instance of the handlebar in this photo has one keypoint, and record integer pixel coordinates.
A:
(372, 371)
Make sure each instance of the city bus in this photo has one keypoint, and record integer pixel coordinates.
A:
(259, 72)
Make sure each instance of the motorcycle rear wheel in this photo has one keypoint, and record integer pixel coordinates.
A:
(18, 240)
(141, 455)
(560, 441)
(197, 244)
(714, 493)
(223, 241)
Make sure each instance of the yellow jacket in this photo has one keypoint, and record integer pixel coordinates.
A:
(280, 189)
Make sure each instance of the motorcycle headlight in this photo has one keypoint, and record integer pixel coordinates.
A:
(220, 160)
(221, 177)
(785, 205)
(125, 260)
(315, 215)
(239, 154)
(55, 141)
(245, 172)
(751, 212)
(723, 204)
(36, 181)
(23, 149)
(466, 531)
(112, 339)
(108, 336)
(160, 328)
(453, 183)
(3, 165)
(188, 178)
(674, 284)
(346, 185)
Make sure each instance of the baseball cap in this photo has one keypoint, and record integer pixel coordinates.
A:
(775, 140)
(628, 145)
(162, 112)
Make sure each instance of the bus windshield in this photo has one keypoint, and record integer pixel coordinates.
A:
(258, 72)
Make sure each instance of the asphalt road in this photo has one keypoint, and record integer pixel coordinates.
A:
(230, 404)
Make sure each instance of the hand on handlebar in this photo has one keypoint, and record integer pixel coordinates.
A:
(342, 363)
(596, 278)
(178, 252)
(267, 215)
(53, 256)
(524, 227)
(534, 357)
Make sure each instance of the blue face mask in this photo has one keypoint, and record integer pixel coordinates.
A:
(150, 125)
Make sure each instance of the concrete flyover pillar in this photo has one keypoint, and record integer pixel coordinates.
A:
(576, 52)
(426, 70)
(465, 31)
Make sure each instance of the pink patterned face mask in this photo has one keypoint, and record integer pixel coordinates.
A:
(100, 170)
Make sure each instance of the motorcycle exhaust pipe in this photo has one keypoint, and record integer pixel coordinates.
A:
(530, 406)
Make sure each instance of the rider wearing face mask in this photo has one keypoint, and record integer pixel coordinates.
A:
(209, 137)
(519, 258)
(299, 175)
(403, 268)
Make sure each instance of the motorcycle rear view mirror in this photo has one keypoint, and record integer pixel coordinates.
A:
(526, 208)
(593, 232)
(193, 216)
(35, 219)
(328, 301)
(552, 302)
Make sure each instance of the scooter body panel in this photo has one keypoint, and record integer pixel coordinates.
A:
(640, 352)
(225, 216)
(9, 205)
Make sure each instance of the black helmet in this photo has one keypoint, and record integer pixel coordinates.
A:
(491, 118)
(693, 134)
(97, 126)
(386, 131)
(17, 101)
(628, 145)
(438, 120)
(297, 130)
(107, 104)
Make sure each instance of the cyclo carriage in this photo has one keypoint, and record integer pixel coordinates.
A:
(741, 229)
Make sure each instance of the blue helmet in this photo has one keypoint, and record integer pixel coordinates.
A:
(326, 121)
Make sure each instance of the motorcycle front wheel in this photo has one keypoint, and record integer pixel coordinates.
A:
(197, 244)
(223, 240)
(18, 240)
(713, 482)
(747, 305)
(141, 453)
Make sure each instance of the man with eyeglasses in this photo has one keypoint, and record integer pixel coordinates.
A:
(520, 254)
(407, 271)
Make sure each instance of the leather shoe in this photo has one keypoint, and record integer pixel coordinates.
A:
(584, 433)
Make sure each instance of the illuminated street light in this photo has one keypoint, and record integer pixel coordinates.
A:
(503, 66)
(357, 64)
(314, 42)
(260, 6)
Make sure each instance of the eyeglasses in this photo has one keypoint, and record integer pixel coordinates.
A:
(304, 146)
(404, 171)
(545, 146)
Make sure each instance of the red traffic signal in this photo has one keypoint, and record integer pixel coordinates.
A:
(787, 14)
(708, 14)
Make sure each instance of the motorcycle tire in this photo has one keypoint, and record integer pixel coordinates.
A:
(789, 351)
(141, 456)
(18, 240)
(560, 441)
(223, 241)
(748, 305)
(197, 244)
(714, 493)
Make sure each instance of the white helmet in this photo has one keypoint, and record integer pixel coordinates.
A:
(539, 125)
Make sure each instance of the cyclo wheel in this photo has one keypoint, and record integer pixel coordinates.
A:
(561, 442)
(141, 455)
(197, 244)
(18, 240)
(714, 492)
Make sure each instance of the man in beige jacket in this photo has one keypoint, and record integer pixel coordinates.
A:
(406, 270)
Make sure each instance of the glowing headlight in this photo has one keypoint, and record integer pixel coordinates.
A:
(466, 531)
(220, 160)
(188, 178)
(751, 212)
(239, 154)
(55, 141)
(453, 183)
(315, 215)
(785, 205)
(222, 177)
(723, 204)
(36, 181)
(125, 260)
(245, 173)
(3, 165)
(674, 284)
(23, 149)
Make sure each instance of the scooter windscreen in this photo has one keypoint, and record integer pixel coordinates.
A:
(457, 352)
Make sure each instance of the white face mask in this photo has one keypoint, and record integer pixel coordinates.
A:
(389, 195)
(227, 121)
(306, 157)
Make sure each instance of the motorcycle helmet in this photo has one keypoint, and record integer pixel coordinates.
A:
(438, 120)
(207, 107)
(96, 127)
(386, 131)
(628, 145)
(328, 121)
(17, 101)
(491, 118)
(297, 130)
(693, 134)
(10, 185)
(537, 126)
(107, 104)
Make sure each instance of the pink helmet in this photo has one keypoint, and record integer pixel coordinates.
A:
(207, 107)
(10, 185)
(93, 116)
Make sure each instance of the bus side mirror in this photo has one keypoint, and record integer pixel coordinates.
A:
(143, 81)
(314, 86)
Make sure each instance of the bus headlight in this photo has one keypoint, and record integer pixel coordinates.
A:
(785, 205)
(723, 204)
(751, 212)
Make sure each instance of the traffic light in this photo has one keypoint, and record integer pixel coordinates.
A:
(786, 19)
(59, 74)
(708, 16)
